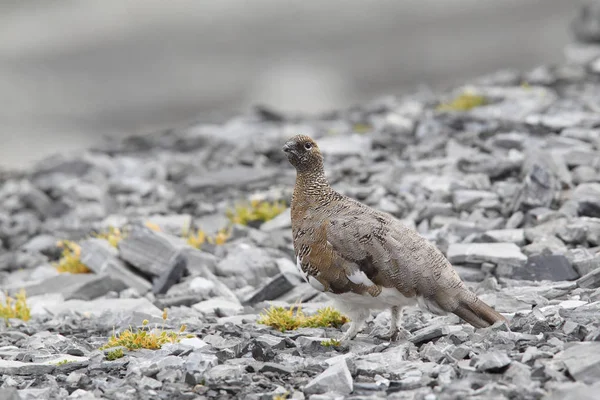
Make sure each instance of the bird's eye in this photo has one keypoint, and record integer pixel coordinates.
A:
(308, 146)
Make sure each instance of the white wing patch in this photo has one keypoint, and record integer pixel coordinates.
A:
(316, 284)
(311, 280)
(358, 277)
(299, 267)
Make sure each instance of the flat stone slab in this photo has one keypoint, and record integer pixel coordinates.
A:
(10, 367)
(478, 253)
(582, 361)
(100, 306)
(336, 378)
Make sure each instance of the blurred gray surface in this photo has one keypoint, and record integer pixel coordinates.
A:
(73, 71)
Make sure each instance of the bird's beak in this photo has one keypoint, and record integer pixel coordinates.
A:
(287, 148)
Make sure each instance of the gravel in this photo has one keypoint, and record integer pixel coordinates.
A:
(509, 191)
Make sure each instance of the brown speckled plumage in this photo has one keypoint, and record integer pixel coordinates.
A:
(366, 259)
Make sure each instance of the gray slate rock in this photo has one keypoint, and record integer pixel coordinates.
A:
(149, 251)
(9, 394)
(336, 378)
(586, 24)
(219, 306)
(582, 361)
(45, 244)
(282, 221)
(433, 332)
(477, 253)
(516, 236)
(540, 185)
(9, 367)
(202, 264)
(249, 265)
(275, 368)
(273, 288)
(172, 274)
(587, 196)
(174, 224)
(493, 361)
(546, 267)
(101, 258)
(100, 306)
(238, 177)
(590, 281)
(583, 260)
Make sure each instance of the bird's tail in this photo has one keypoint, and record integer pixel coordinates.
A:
(473, 310)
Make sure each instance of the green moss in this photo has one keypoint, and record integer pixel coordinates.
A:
(115, 354)
(331, 343)
(63, 362)
(463, 102)
(293, 318)
(144, 338)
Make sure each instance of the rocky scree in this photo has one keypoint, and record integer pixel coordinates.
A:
(509, 189)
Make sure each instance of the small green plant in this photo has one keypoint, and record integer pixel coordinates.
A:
(63, 362)
(144, 338)
(70, 260)
(293, 318)
(15, 308)
(463, 102)
(113, 236)
(256, 211)
(331, 343)
(115, 354)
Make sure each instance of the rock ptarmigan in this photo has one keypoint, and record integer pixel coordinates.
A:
(365, 259)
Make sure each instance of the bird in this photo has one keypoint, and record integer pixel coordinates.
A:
(364, 259)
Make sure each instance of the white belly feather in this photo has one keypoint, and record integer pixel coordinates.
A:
(388, 297)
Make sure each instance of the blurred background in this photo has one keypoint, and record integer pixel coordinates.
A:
(73, 71)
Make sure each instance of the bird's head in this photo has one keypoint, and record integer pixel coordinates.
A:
(303, 153)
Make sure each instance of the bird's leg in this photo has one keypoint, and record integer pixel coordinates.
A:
(357, 319)
(395, 332)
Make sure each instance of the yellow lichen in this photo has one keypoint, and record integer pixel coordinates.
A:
(284, 319)
(220, 237)
(200, 237)
(70, 260)
(463, 102)
(283, 396)
(15, 308)
(144, 337)
(113, 236)
(196, 239)
(257, 210)
(152, 226)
